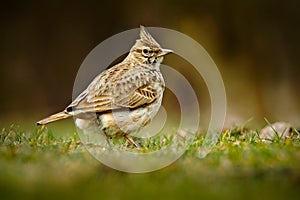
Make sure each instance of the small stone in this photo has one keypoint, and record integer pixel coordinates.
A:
(283, 129)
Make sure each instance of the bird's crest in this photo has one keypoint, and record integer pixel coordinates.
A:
(146, 39)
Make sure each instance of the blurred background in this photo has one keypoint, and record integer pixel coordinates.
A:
(254, 43)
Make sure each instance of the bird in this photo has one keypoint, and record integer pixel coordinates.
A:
(124, 98)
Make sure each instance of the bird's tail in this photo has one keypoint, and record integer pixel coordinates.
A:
(55, 117)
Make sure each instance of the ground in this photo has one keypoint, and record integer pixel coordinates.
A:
(45, 163)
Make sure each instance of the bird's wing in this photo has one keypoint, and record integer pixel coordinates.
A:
(140, 96)
(96, 104)
(109, 97)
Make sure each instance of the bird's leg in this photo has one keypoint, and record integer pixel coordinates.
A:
(103, 130)
(106, 138)
(131, 141)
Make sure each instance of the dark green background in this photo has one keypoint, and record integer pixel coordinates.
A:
(254, 43)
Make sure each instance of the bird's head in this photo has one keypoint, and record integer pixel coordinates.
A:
(146, 50)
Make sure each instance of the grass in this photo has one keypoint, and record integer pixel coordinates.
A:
(39, 164)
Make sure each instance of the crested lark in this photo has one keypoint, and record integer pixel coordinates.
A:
(125, 97)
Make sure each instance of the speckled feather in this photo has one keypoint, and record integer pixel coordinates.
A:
(119, 87)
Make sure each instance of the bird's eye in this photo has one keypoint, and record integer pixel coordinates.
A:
(145, 51)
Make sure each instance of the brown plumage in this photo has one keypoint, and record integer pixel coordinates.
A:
(131, 90)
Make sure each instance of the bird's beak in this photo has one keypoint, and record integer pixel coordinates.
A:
(165, 52)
